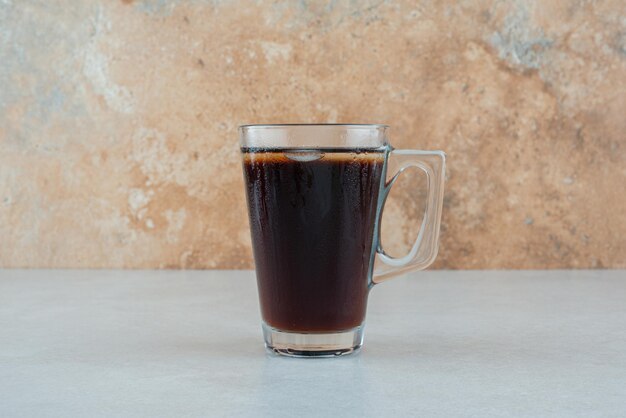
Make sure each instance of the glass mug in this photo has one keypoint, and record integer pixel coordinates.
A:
(315, 199)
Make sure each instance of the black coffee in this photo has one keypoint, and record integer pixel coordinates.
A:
(312, 216)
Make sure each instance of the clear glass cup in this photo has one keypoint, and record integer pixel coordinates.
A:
(315, 196)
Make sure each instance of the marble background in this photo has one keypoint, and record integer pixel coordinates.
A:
(118, 141)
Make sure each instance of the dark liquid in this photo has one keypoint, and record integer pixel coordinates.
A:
(312, 216)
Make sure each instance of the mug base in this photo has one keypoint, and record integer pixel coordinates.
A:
(312, 345)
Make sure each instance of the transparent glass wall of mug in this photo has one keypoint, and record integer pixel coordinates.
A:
(315, 196)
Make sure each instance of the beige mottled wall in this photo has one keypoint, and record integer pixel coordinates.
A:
(118, 122)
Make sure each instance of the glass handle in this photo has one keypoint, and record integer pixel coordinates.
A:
(424, 250)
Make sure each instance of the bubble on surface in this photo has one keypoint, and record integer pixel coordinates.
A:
(304, 156)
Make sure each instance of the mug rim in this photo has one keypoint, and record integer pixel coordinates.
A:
(287, 125)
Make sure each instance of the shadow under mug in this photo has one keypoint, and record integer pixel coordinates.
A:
(315, 196)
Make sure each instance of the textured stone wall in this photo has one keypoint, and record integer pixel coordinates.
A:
(118, 141)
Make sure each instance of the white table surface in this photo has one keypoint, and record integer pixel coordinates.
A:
(158, 343)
